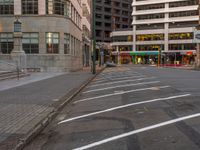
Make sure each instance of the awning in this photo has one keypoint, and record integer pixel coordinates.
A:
(143, 53)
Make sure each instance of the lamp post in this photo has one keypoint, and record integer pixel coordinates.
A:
(18, 55)
(94, 39)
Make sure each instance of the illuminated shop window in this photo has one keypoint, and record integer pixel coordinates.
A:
(180, 36)
(150, 37)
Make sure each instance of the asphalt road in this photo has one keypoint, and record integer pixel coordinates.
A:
(130, 108)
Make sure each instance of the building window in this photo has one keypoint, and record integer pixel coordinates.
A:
(52, 43)
(6, 43)
(72, 45)
(29, 6)
(58, 7)
(150, 37)
(6, 7)
(67, 43)
(30, 43)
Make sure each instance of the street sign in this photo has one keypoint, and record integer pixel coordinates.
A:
(196, 36)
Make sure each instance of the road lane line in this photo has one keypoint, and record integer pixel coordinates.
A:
(123, 106)
(127, 85)
(120, 78)
(162, 124)
(121, 81)
(119, 93)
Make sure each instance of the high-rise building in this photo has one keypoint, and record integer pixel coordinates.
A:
(51, 29)
(167, 25)
(112, 15)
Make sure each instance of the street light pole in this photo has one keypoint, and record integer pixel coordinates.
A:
(94, 38)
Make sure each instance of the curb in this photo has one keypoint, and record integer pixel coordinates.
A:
(41, 125)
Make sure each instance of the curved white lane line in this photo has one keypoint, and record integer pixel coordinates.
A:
(119, 93)
(138, 131)
(123, 106)
(119, 86)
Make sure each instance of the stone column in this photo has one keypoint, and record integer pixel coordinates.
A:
(18, 55)
(41, 7)
(17, 7)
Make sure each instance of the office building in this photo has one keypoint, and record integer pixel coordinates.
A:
(167, 25)
(112, 15)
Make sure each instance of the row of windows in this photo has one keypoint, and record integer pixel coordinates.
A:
(150, 37)
(190, 46)
(128, 38)
(58, 7)
(30, 43)
(171, 5)
(183, 3)
(171, 15)
(160, 37)
(171, 25)
(183, 14)
(151, 16)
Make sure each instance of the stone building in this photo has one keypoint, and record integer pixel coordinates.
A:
(86, 22)
(51, 29)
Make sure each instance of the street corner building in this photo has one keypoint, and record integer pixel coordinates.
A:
(51, 33)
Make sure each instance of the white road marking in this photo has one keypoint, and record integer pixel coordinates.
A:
(114, 82)
(119, 78)
(127, 85)
(138, 131)
(123, 106)
(114, 94)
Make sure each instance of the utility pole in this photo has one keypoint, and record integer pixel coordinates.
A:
(94, 38)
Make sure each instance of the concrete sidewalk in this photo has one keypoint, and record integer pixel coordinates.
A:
(26, 108)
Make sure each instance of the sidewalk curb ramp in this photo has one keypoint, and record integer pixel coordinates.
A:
(45, 121)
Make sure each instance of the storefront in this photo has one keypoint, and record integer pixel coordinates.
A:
(144, 57)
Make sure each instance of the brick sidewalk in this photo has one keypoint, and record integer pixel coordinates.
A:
(23, 108)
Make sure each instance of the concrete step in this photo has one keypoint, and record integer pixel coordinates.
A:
(5, 75)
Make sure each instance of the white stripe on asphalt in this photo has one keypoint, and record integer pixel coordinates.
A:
(120, 78)
(127, 85)
(123, 106)
(119, 93)
(121, 81)
(138, 131)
